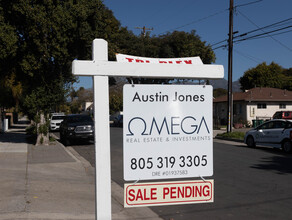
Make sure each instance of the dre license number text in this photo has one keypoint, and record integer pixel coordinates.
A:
(168, 162)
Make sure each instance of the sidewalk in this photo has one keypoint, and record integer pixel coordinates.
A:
(51, 182)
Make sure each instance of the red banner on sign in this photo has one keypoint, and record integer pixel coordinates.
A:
(169, 193)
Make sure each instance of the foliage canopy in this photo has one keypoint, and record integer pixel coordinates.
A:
(39, 40)
(263, 75)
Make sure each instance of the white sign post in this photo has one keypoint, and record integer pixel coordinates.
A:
(99, 68)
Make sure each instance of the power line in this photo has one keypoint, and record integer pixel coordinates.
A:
(265, 33)
(209, 16)
(269, 35)
(279, 42)
(196, 21)
(256, 60)
(222, 46)
(259, 28)
(249, 3)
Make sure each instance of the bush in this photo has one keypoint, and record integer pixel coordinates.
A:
(233, 135)
(31, 131)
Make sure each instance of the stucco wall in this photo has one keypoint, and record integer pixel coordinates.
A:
(264, 113)
(249, 111)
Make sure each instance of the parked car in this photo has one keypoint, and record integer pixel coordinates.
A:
(118, 121)
(283, 115)
(56, 120)
(276, 133)
(76, 126)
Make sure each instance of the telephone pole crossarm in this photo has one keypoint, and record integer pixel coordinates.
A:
(144, 30)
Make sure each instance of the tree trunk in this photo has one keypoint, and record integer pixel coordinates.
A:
(42, 132)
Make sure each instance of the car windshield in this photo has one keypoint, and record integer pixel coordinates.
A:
(58, 117)
(79, 118)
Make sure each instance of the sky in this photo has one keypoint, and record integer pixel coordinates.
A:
(210, 20)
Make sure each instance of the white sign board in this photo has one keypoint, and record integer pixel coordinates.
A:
(168, 193)
(167, 131)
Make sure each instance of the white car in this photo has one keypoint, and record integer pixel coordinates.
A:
(56, 120)
(275, 133)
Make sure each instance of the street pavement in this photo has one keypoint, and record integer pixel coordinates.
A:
(51, 182)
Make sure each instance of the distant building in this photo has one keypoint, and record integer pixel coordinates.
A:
(256, 103)
(87, 106)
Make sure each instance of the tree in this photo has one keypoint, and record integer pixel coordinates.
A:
(263, 75)
(219, 92)
(287, 84)
(39, 40)
(115, 102)
(170, 45)
(79, 97)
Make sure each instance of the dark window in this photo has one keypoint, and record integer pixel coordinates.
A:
(240, 108)
(59, 117)
(279, 124)
(267, 125)
(79, 118)
(262, 105)
(282, 106)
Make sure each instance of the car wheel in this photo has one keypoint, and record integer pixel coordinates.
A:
(286, 146)
(250, 141)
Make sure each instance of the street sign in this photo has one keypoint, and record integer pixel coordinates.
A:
(168, 193)
(167, 131)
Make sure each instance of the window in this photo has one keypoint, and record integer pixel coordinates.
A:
(282, 106)
(268, 125)
(262, 105)
(279, 124)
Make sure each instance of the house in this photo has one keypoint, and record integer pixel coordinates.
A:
(87, 107)
(254, 104)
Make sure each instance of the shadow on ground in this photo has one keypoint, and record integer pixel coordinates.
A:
(280, 164)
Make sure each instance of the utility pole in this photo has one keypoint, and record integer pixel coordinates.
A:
(143, 32)
(230, 50)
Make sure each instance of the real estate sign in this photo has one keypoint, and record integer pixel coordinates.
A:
(167, 131)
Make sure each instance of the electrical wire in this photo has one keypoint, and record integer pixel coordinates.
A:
(209, 16)
(269, 35)
(272, 25)
(249, 3)
(258, 36)
(196, 21)
(265, 33)
(256, 60)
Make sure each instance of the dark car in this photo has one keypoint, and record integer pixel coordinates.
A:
(76, 127)
(118, 121)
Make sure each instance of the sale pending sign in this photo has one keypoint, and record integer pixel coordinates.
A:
(168, 193)
(167, 131)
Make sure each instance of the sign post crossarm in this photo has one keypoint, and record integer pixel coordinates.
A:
(111, 68)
